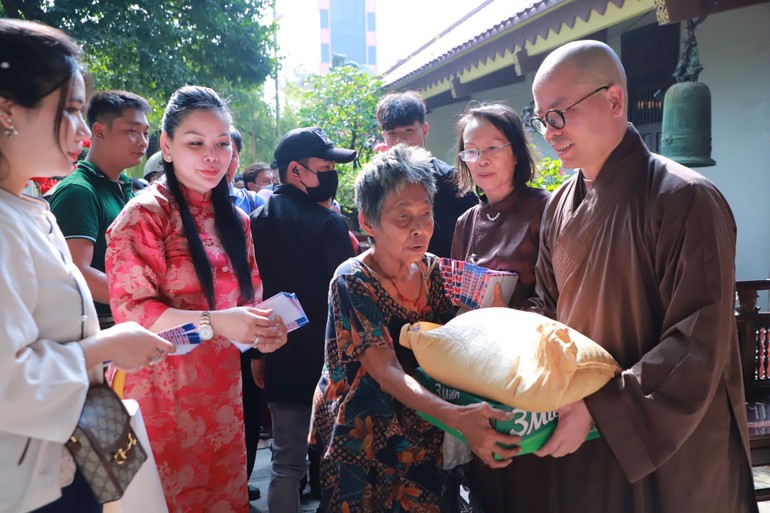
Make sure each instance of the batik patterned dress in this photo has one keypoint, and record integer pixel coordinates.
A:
(377, 454)
(191, 403)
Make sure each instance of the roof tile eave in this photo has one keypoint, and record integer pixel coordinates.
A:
(536, 7)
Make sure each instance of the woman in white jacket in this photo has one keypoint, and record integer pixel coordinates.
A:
(50, 344)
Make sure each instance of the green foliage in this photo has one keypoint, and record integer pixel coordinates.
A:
(342, 102)
(255, 119)
(345, 196)
(153, 48)
(549, 175)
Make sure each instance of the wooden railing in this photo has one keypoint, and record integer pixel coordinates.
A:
(754, 342)
(754, 337)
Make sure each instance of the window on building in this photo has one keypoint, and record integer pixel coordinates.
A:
(326, 53)
(347, 27)
(371, 24)
(649, 55)
(324, 18)
(371, 55)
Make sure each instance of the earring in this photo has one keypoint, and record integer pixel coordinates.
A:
(167, 158)
(10, 131)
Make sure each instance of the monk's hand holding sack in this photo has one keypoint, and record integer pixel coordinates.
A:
(520, 359)
(575, 423)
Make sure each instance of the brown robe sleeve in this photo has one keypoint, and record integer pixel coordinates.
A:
(647, 412)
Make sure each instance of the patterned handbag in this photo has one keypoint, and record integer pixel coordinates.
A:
(105, 448)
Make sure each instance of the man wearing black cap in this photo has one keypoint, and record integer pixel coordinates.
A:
(298, 246)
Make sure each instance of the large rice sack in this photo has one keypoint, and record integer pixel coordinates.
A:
(521, 359)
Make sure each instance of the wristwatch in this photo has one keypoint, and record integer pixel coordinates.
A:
(205, 332)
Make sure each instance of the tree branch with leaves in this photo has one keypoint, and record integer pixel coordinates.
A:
(342, 102)
(152, 48)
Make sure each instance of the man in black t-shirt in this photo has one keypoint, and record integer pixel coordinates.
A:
(401, 117)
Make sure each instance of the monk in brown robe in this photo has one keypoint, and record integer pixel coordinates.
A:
(637, 252)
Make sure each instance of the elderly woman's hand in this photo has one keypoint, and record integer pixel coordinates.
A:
(474, 423)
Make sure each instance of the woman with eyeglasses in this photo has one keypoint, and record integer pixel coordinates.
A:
(502, 233)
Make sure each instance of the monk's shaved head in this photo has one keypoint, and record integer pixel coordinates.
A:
(581, 102)
(589, 63)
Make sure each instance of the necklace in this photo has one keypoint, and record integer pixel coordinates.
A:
(493, 218)
(492, 208)
(402, 299)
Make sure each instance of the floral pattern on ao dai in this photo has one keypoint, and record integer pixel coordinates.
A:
(191, 404)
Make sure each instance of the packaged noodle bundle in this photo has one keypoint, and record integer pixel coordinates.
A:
(472, 286)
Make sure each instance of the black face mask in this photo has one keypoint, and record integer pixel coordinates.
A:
(326, 188)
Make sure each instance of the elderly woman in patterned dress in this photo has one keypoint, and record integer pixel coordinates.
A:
(377, 454)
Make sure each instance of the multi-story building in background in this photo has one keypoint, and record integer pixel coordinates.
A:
(349, 29)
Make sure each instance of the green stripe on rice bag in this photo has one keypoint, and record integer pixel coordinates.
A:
(535, 428)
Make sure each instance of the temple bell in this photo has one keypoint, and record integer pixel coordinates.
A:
(686, 130)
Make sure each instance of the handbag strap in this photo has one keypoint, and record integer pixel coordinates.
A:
(118, 380)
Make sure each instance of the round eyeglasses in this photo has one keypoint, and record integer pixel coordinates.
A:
(555, 118)
(474, 155)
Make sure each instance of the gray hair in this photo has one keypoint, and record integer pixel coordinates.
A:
(388, 173)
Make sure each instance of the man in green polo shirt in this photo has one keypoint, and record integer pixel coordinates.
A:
(88, 200)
